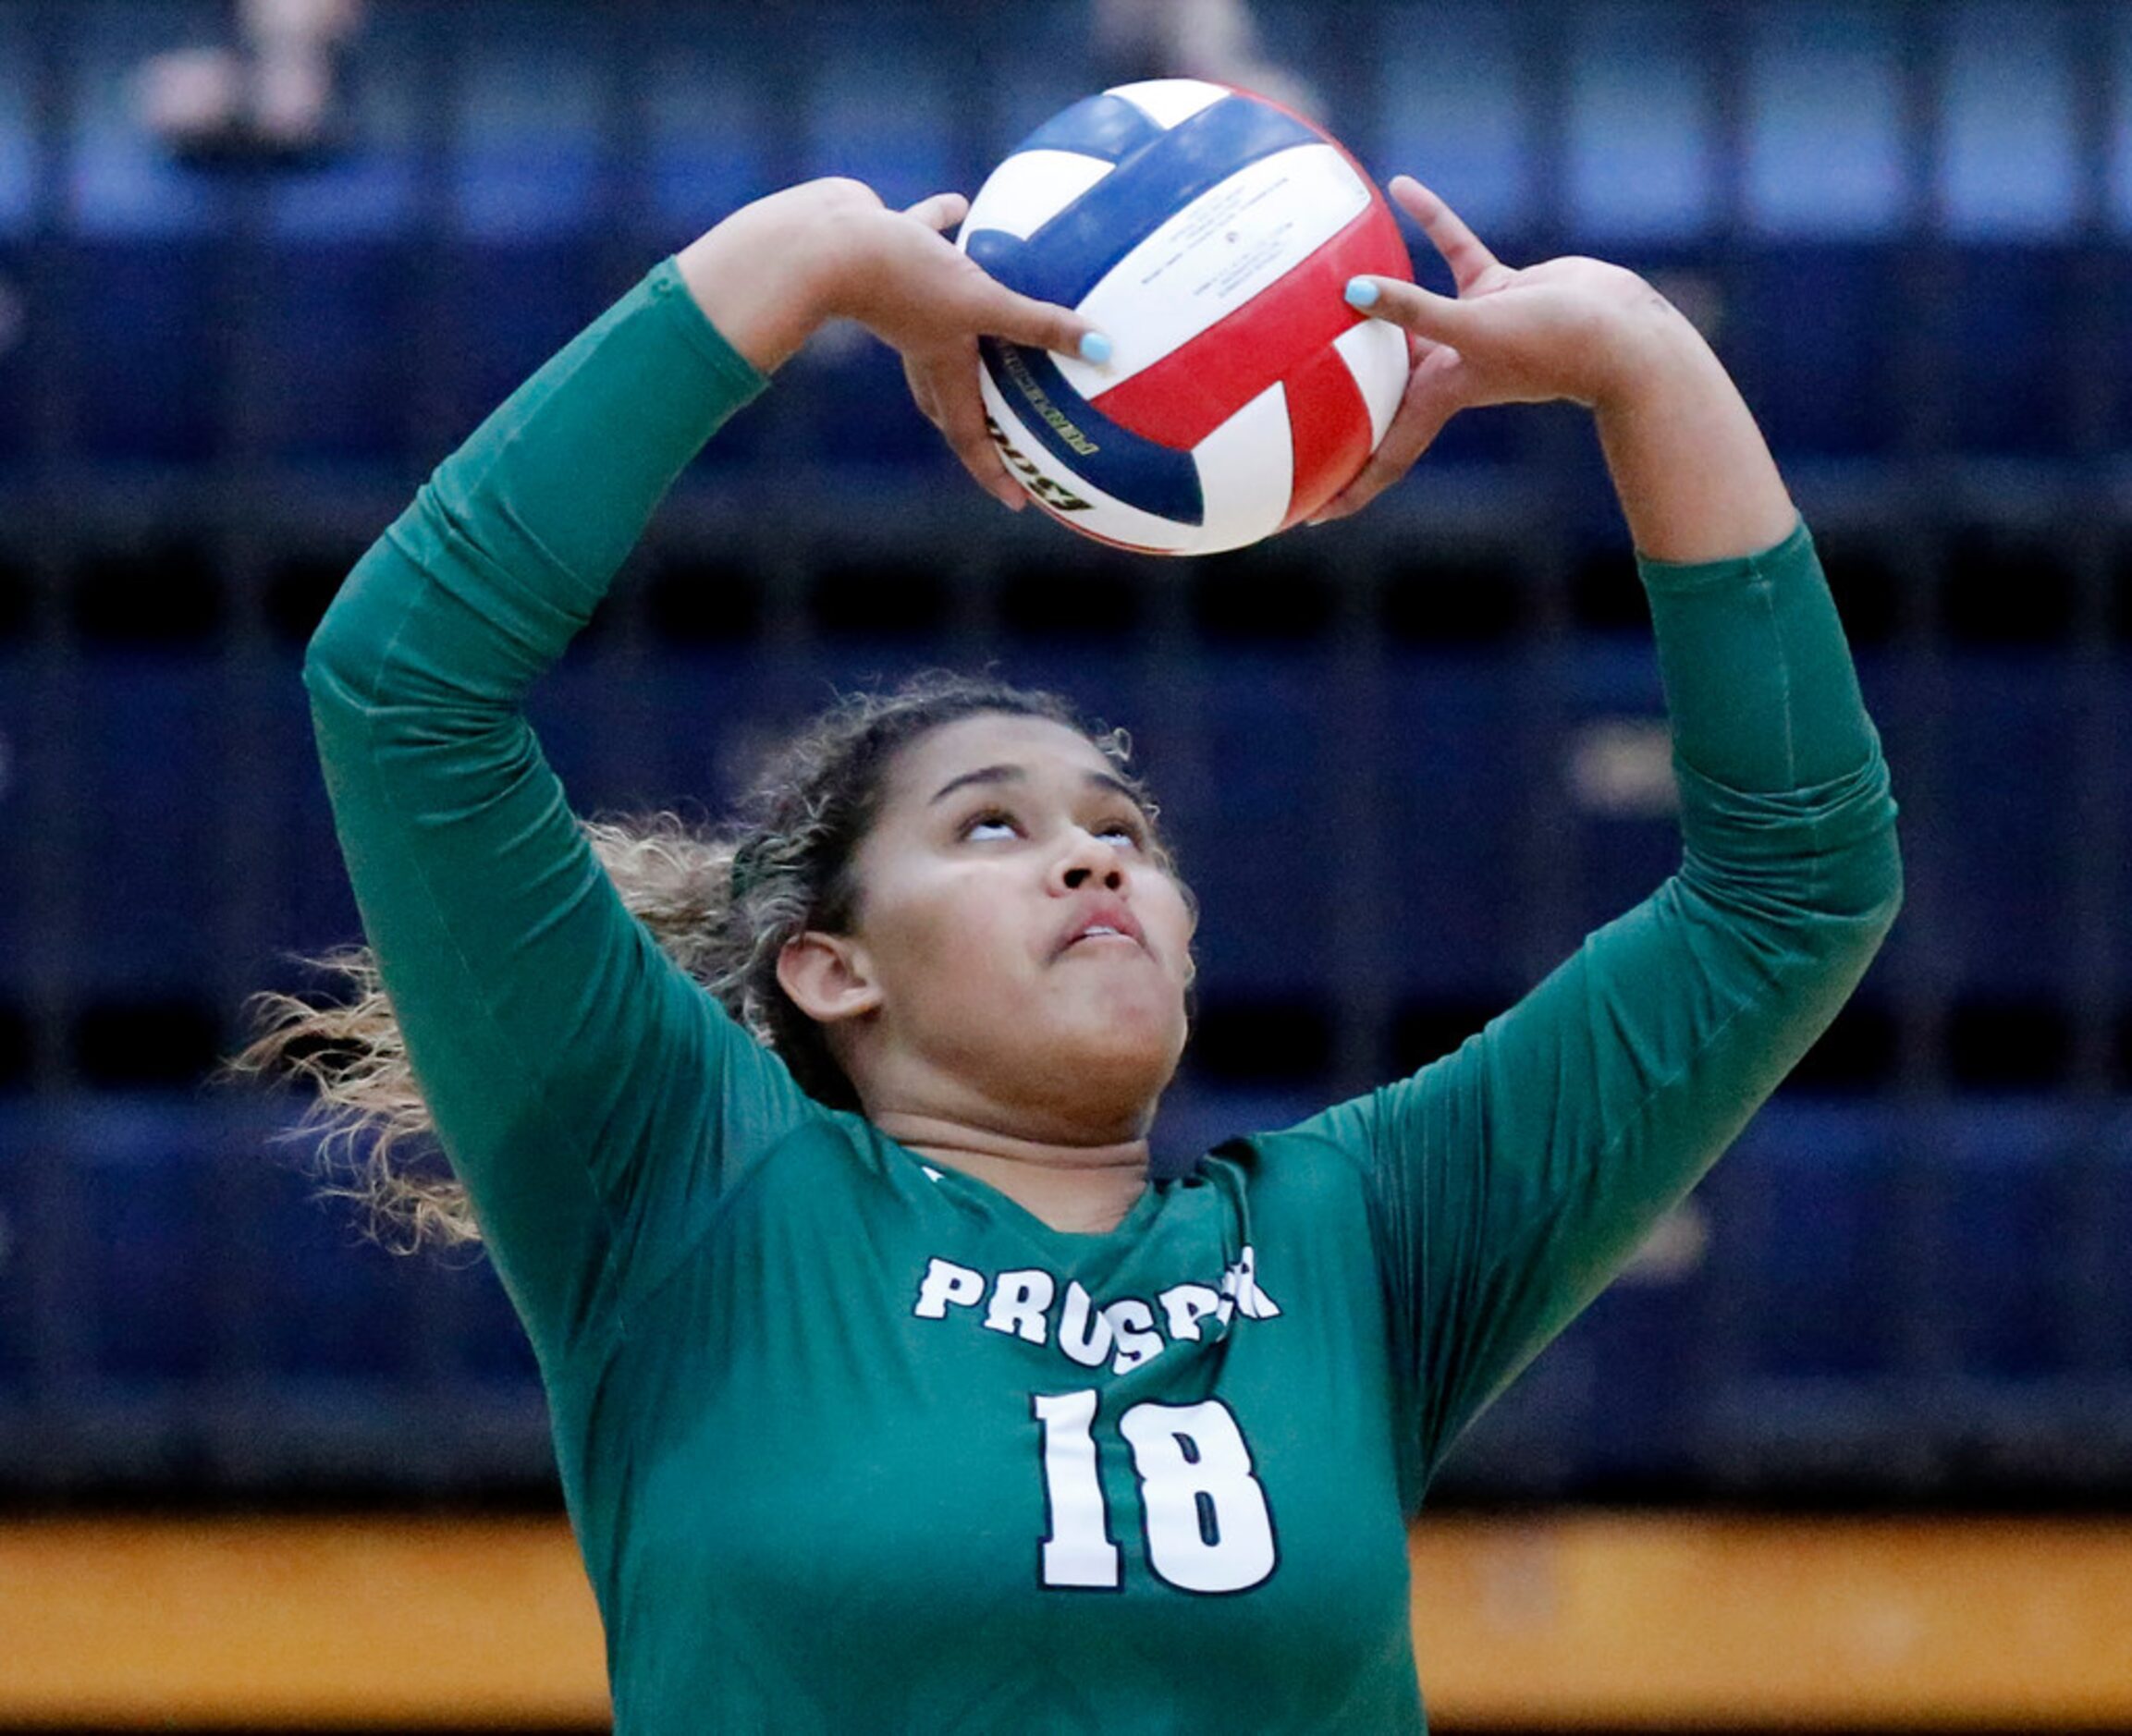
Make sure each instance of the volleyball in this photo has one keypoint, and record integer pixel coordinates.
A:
(1209, 234)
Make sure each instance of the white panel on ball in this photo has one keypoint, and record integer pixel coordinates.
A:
(1031, 188)
(1229, 244)
(1375, 355)
(1168, 101)
(1245, 467)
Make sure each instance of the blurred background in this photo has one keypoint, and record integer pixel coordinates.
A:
(261, 267)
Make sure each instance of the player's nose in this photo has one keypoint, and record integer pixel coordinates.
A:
(1088, 860)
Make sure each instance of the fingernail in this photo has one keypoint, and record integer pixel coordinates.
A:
(1361, 293)
(1095, 347)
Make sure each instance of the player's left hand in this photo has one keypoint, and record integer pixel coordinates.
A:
(1569, 328)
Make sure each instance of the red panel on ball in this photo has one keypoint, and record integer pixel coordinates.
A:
(1179, 400)
(1330, 426)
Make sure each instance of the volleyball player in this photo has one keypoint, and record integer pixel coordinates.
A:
(888, 1391)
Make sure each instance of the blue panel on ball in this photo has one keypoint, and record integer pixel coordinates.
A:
(1125, 465)
(1106, 126)
(1066, 258)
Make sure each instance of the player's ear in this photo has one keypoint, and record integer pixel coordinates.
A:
(827, 977)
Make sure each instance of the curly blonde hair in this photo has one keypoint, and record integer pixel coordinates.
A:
(721, 901)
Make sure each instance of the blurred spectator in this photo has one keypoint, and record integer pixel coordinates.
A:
(272, 95)
(1194, 39)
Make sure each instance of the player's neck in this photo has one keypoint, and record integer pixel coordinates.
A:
(1081, 1189)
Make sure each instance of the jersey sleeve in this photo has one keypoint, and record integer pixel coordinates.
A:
(1510, 1180)
(592, 1098)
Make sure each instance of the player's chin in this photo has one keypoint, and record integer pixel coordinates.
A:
(1129, 1036)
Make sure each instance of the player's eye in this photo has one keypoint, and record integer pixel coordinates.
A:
(990, 823)
(1130, 828)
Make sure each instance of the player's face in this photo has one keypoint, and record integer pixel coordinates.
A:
(1027, 938)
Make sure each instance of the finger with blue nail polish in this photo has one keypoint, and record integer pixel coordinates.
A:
(1095, 347)
(1362, 292)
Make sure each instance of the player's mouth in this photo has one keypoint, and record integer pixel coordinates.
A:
(1105, 922)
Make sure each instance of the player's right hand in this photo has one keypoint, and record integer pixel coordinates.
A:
(772, 272)
(931, 302)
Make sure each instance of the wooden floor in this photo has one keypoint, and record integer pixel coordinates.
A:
(1621, 1621)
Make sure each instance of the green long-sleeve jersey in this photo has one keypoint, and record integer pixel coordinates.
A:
(852, 1441)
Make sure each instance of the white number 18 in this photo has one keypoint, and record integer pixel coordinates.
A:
(1209, 1528)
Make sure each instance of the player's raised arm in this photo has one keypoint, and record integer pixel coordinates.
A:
(1515, 1176)
(849, 256)
(1695, 477)
(586, 1091)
